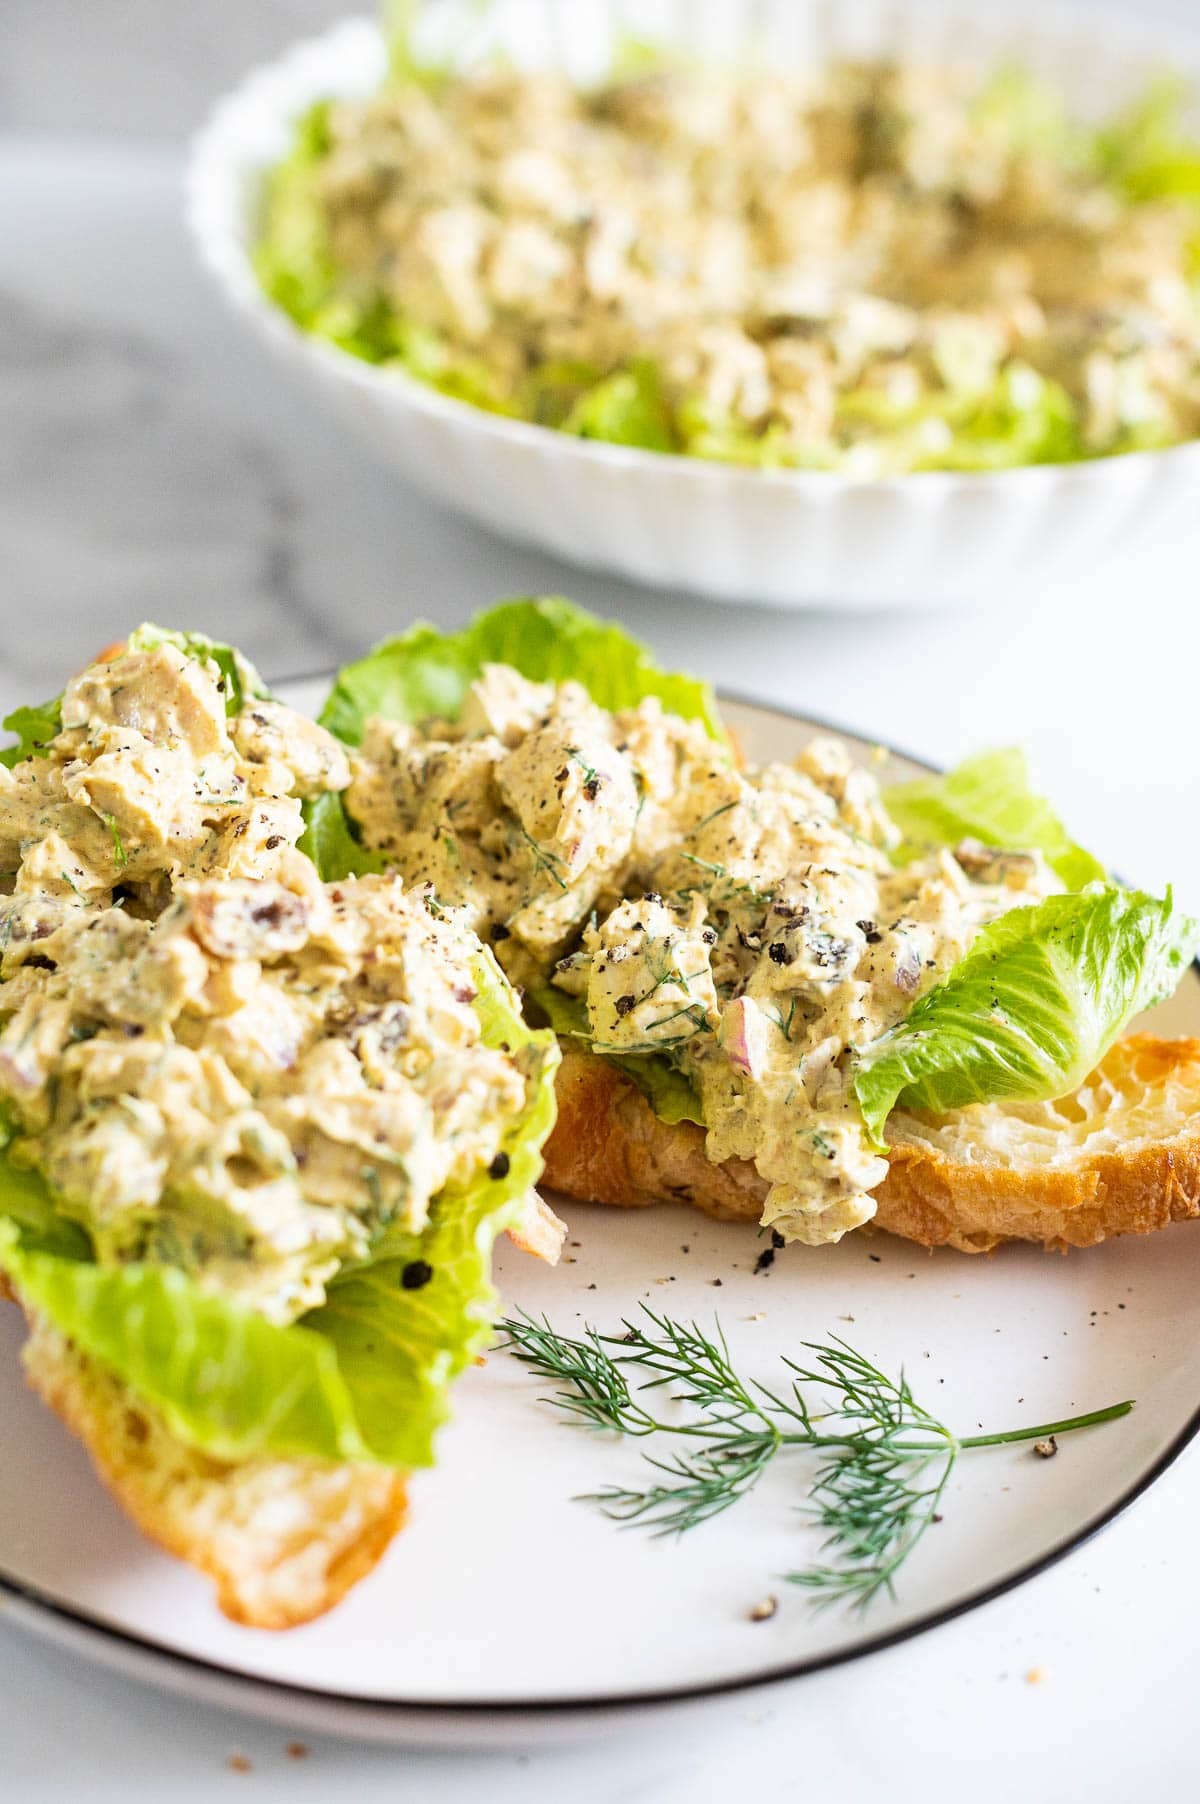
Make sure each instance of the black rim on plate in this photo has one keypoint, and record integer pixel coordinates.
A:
(159, 1653)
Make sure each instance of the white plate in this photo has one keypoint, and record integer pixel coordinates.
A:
(790, 538)
(507, 1612)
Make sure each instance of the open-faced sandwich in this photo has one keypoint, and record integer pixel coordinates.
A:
(782, 992)
(268, 1094)
(261, 1130)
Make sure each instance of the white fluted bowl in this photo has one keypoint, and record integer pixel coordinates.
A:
(791, 538)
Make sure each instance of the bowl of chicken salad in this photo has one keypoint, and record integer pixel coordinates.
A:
(853, 306)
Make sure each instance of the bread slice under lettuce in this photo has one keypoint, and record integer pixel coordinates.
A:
(282, 1539)
(1121, 1155)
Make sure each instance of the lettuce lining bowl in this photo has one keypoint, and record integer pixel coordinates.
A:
(790, 538)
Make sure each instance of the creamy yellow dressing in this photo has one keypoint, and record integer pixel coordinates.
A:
(747, 925)
(217, 1061)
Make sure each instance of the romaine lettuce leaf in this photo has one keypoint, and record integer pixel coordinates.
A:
(552, 389)
(34, 727)
(329, 841)
(1030, 115)
(1145, 153)
(428, 356)
(292, 256)
(669, 1093)
(27, 1204)
(1024, 418)
(427, 672)
(1021, 417)
(399, 22)
(1018, 416)
(988, 798)
(224, 1379)
(634, 57)
(625, 408)
(366, 1376)
(718, 436)
(1033, 1006)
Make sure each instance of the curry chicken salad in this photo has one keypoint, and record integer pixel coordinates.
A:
(272, 1078)
(870, 267)
(748, 924)
(259, 1130)
(795, 964)
(215, 1060)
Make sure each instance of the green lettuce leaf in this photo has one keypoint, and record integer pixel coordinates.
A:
(27, 1205)
(1021, 417)
(399, 22)
(718, 436)
(223, 1378)
(670, 1094)
(1145, 152)
(426, 672)
(363, 1378)
(626, 408)
(1016, 416)
(1030, 114)
(292, 257)
(634, 57)
(987, 798)
(34, 727)
(553, 388)
(328, 839)
(1033, 1006)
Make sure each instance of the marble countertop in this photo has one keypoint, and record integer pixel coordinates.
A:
(155, 467)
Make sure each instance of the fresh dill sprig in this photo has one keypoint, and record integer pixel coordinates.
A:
(884, 1464)
(734, 886)
(876, 1495)
(597, 1392)
(591, 776)
(543, 860)
(708, 818)
(120, 855)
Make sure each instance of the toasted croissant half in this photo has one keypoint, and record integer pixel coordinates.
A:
(282, 1539)
(1120, 1155)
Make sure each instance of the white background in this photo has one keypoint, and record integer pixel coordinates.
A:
(149, 466)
